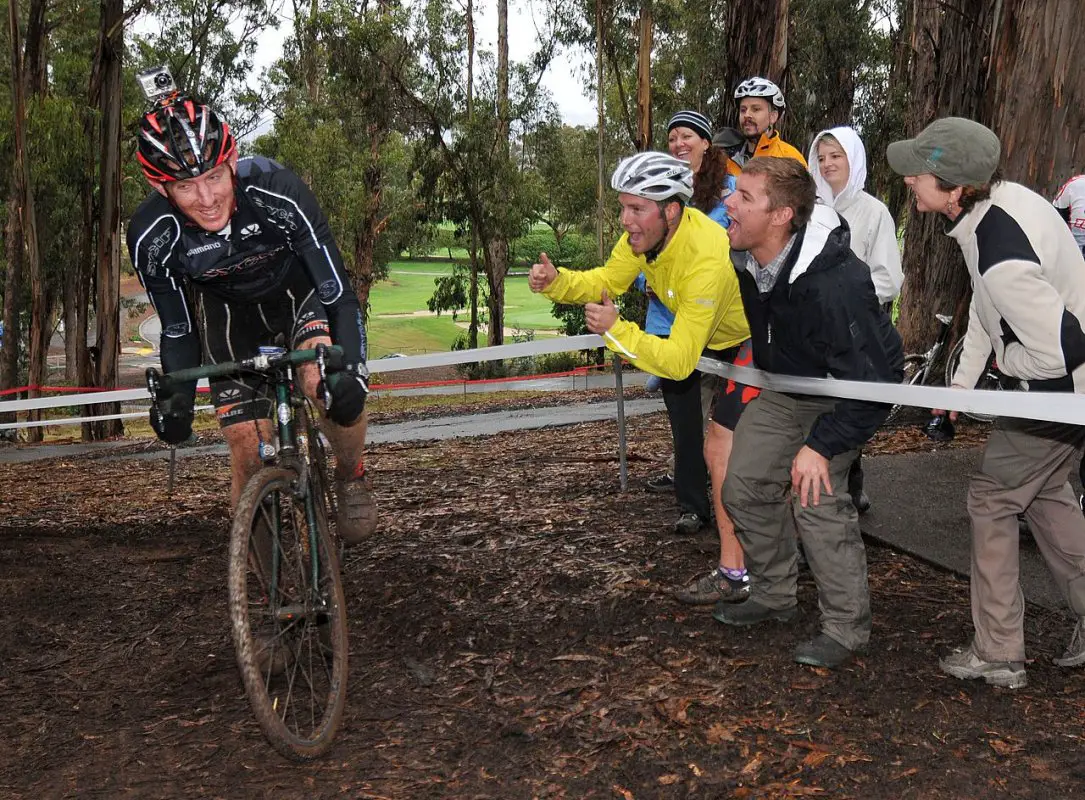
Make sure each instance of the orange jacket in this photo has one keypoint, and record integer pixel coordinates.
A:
(770, 145)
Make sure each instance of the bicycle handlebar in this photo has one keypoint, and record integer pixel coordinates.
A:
(158, 383)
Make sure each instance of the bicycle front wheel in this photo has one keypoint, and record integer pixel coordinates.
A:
(915, 373)
(288, 615)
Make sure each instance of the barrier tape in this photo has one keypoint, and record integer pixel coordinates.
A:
(1047, 406)
(498, 353)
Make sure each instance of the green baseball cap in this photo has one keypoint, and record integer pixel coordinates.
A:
(957, 150)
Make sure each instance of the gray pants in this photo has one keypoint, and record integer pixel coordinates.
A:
(757, 495)
(1025, 468)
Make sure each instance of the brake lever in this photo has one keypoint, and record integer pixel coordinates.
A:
(321, 350)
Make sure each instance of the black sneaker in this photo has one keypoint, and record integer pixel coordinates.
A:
(751, 613)
(822, 651)
(861, 501)
(688, 524)
(660, 483)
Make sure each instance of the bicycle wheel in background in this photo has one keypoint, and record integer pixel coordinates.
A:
(916, 367)
(988, 380)
(290, 635)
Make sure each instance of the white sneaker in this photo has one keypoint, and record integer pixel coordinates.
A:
(963, 663)
(1075, 651)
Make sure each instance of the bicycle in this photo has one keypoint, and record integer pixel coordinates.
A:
(919, 367)
(286, 602)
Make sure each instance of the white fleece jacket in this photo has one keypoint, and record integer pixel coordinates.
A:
(1028, 298)
(873, 232)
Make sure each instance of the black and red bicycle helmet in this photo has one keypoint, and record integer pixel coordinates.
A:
(182, 138)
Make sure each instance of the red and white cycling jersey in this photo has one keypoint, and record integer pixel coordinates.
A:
(1072, 196)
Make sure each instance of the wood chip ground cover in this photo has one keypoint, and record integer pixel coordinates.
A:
(511, 636)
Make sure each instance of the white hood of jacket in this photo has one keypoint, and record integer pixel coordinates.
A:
(856, 153)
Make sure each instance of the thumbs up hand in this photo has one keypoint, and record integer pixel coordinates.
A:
(542, 274)
(600, 317)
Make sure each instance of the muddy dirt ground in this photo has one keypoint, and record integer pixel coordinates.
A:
(511, 637)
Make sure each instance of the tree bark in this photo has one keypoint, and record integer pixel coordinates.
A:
(40, 310)
(950, 48)
(107, 344)
(1036, 91)
(644, 78)
(496, 257)
(756, 42)
(13, 290)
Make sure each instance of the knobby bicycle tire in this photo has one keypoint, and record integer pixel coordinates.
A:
(987, 380)
(916, 368)
(298, 642)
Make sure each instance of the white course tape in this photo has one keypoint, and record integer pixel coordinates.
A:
(537, 347)
(48, 423)
(1048, 406)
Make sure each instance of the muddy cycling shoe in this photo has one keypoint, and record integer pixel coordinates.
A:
(689, 524)
(713, 587)
(963, 663)
(357, 509)
(823, 651)
(660, 483)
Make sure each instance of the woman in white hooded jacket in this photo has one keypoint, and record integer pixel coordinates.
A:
(838, 164)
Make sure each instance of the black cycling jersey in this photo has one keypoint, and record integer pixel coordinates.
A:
(277, 235)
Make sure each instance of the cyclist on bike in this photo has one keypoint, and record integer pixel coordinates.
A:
(684, 256)
(1028, 307)
(247, 240)
(760, 106)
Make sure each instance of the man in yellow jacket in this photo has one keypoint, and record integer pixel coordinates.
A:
(760, 106)
(686, 259)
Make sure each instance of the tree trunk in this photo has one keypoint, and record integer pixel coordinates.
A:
(472, 293)
(77, 335)
(107, 344)
(1036, 92)
(496, 259)
(756, 42)
(39, 310)
(496, 256)
(13, 291)
(644, 78)
(950, 47)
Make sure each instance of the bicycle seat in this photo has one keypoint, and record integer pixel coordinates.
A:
(945, 319)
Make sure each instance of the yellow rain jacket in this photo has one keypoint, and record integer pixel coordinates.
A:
(692, 277)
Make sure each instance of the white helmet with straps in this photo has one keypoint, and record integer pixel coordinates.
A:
(761, 87)
(655, 176)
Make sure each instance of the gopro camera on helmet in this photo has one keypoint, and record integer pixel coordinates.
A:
(156, 82)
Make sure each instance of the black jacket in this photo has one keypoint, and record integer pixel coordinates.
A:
(278, 237)
(821, 319)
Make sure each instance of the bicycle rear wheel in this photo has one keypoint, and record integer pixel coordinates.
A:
(915, 373)
(288, 615)
(988, 380)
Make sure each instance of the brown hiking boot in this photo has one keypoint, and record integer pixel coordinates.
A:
(357, 509)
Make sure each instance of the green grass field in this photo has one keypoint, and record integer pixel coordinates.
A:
(410, 285)
(410, 336)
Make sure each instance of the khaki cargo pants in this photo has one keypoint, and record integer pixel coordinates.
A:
(757, 495)
(1025, 469)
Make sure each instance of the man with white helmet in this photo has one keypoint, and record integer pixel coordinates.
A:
(685, 257)
(760, 106)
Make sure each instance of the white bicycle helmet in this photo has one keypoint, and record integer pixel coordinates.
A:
(655, 176)
(761, 87)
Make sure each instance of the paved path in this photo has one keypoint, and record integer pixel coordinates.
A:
(919, 498)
